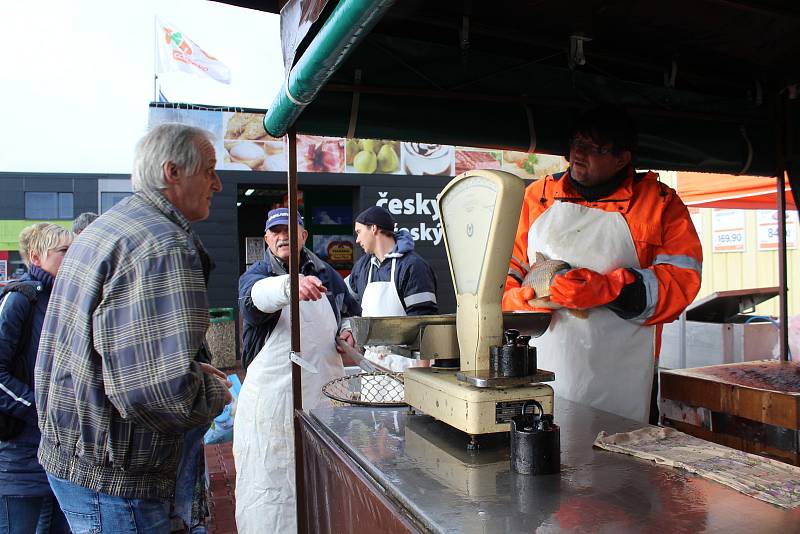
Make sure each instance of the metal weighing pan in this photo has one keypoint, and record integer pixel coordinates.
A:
(405, 330)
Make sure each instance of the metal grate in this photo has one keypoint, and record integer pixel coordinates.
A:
(367, 389)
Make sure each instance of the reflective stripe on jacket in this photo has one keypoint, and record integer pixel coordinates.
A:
(414, 278)
(20, 472)
(664, 236)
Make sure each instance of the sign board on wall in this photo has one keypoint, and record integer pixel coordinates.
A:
(768, 238)
(3, 270)
(728, 230)
(337, 250)
(254, 249)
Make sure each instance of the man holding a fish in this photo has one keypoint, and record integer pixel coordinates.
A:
(618, 250)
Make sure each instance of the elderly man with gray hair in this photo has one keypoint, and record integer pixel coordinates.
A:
(118, 381)
(82, 221)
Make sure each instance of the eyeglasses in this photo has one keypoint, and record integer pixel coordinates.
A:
(589, 148)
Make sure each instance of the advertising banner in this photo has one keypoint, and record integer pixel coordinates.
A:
(244, 145)
(529, 166)
(248, 147)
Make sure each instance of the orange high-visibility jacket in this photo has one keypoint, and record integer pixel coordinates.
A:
(666, 242)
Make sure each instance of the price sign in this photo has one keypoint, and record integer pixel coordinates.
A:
(768, 235)
(728, 230)
(728, 241)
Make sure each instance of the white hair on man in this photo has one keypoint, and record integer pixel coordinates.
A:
(40, 238)
(82, 221)
(170, 141)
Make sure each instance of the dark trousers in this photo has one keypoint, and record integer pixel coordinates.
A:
(26, 515)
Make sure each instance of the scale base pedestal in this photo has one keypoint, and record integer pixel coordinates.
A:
(490, 379)
(470, 409)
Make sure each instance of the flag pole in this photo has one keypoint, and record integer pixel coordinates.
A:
(155, 59)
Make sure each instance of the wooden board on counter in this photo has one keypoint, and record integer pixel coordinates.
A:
(752, 406)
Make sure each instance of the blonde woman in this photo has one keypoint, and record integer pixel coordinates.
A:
(27, 503)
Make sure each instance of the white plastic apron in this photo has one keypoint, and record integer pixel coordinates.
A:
(603, 361)
(264, 437)
(381, 299)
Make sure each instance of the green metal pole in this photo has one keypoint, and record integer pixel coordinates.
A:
(347, 25)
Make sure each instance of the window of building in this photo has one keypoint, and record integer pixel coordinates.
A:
(108, 199)
(110, 191)
(41, 205)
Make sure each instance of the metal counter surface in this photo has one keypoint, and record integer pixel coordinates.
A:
(424, 465)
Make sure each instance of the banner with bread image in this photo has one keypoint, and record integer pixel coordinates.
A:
(248, 147)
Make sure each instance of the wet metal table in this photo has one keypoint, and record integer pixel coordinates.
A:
(370, 470)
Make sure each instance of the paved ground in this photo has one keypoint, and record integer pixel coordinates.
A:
(222, 482)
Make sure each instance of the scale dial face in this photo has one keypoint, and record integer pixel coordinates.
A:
(467, 212)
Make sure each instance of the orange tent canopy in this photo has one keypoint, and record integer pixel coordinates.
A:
(706, 190)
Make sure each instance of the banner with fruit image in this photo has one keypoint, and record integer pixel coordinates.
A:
(246, 146)
(372, 156)
(320, 154)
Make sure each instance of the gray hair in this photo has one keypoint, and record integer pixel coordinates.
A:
(166, 142)
(82, 221)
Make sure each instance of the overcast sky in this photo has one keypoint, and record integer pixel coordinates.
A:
(77, 75)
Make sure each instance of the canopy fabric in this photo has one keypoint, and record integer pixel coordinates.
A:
(713, 84)
(701, 77)
(706, 190)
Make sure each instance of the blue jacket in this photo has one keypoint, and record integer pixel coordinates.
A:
(257, 325)
(20, 472)
(414, 278)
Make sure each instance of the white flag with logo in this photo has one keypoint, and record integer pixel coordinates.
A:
(176, 52)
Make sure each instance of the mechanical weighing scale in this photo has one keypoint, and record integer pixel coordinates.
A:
(479, 212)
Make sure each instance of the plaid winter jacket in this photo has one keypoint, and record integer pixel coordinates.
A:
(117, 381)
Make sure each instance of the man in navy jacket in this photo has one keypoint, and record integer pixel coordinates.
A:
(391, 279)
(257, 325)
